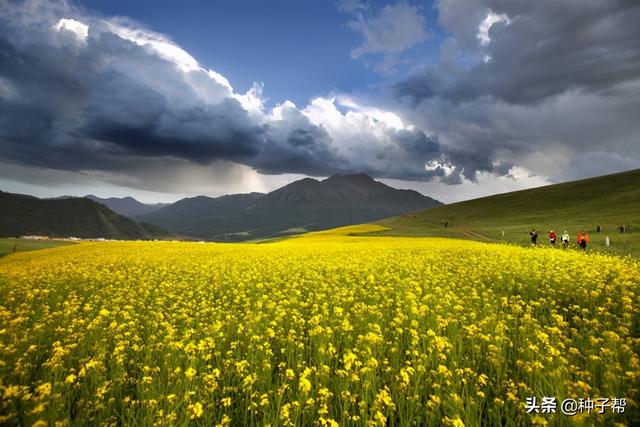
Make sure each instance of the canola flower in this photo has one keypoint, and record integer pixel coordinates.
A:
(327, 329)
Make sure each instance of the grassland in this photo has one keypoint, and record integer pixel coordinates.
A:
(8, 246)
(324, 329)
(608, 201)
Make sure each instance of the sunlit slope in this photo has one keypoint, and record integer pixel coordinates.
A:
(608, 201)
(321, 329)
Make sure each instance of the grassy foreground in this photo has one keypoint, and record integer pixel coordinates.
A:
(607, 201)
(9, 246)
(324, 329)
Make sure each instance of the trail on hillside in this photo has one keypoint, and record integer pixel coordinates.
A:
(471, 233)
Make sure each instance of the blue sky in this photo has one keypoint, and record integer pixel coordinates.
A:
(298, 49)
(453, 98)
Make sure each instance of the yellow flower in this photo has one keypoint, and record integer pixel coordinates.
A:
(195, 410)
(44, 390)
(304, 384)
(453, 422)
(248, 381)
(190, 373)
(38, 409)
(285, 415)
(224, 422)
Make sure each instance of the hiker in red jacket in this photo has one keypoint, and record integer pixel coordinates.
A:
(552, 238)
(583, 240)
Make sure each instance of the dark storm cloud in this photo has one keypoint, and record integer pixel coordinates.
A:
(200, 135)
(548, 86)
(295, 145)
(469, 163)
(69, 102)
(416, 143)
(545, 49)
(416, 150)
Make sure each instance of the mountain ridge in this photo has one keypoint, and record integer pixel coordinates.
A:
(127, 206)
(22, 214)
(306, 204)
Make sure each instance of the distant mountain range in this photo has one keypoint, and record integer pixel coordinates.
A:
(68, 217)
(304, 205)
(127, 206)
(301, 206)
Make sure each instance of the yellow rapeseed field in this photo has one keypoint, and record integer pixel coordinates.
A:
(326, 329)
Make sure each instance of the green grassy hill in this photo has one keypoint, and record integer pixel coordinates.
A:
(9, 246)
(608, 201)
(69, 217)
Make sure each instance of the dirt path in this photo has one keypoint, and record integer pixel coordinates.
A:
(472, 234)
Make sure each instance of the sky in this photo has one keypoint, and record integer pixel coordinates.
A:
(457, 99)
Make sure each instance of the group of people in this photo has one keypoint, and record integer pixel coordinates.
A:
(583, 239)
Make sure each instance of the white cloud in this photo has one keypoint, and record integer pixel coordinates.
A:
(388, 118)
(279, 112)
(159, 43)
(485, 26)
(80, 30)
(357, 123)
(252, 101)
(210, 86)
(372, 139)
(434, 165)
(220, 79)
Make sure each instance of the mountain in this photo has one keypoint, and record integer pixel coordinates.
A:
(609, 201)
(68, 217)
(304, 205)
(205, 217)
(127, 206)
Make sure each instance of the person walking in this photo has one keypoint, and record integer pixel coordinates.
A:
(552, 238)
(565, 239)
(534, 236)
(583, 240)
